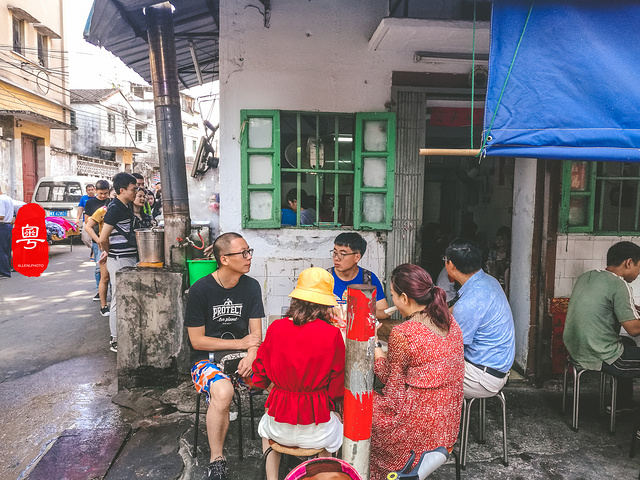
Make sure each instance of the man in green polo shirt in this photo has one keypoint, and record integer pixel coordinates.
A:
(602, 302)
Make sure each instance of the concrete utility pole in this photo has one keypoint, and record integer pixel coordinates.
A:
(358, 377)
(166, 97)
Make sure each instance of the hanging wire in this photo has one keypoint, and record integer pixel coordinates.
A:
(513, 60)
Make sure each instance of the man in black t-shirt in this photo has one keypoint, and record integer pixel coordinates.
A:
(100, 199)
(117, 240)
(224, 312)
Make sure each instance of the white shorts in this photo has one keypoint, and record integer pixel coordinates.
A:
(326, 435)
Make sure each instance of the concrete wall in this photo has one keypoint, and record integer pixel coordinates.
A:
(314, 56)
(521, 252)
(152, 347)
(578, 253)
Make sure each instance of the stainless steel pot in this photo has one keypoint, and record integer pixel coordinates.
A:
(150, 245)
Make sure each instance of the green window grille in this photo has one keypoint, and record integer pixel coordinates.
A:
(338, 167)
(601, 198)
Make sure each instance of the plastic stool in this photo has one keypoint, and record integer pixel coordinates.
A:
(482, 420)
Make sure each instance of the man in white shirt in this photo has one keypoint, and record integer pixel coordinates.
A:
(6, 217)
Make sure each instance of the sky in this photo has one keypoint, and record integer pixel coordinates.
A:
(94, 67)
(91, 66)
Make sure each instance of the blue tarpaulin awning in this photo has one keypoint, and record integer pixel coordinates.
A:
(564, 80)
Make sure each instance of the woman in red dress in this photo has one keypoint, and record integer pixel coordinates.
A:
(303, 355)
(419, 408)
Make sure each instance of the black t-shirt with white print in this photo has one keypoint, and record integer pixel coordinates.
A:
(224, 312)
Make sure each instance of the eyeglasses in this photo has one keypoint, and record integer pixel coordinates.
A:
(245, 253)
(340, 255)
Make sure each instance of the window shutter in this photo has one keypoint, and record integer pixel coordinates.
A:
(375, 165)
(260, 170)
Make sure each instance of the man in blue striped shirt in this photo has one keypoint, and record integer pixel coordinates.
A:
(117, 239)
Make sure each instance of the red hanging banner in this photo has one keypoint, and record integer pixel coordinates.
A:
(29, 241)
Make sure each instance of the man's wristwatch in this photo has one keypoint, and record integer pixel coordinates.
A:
(378, 345)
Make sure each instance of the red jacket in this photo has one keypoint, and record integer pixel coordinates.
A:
(306, 365)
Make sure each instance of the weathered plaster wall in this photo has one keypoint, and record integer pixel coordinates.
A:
(579, 253)
(314, 57)
(524, 185)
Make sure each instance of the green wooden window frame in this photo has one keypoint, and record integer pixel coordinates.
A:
(368, 196)
(254, 189)
(586, 186)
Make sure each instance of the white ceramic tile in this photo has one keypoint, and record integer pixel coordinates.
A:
(574, 268)
(583, 249)
(560, 267)
(563, 288)
(565, 247)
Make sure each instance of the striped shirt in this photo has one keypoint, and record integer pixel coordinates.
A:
(122, 242)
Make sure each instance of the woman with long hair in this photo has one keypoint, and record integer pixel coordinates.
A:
(142, 219)
(419, 408)
(303, 355)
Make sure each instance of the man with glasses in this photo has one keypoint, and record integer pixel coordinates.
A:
(485, 318)
(347, 251)
(224, 312)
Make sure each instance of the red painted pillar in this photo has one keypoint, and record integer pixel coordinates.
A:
(358, 378)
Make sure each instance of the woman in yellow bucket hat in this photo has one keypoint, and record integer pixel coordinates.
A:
(303, 355)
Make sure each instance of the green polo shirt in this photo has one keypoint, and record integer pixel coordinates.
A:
(599, 303)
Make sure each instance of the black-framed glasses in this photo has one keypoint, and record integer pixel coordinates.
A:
(340, 255)
(245, 253)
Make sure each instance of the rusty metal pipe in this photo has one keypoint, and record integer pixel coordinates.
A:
(166, 95)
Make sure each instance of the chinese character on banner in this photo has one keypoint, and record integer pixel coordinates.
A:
(30, 247)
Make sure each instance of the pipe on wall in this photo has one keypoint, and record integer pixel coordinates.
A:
(166, 94)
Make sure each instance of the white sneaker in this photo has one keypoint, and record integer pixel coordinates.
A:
(233, 416)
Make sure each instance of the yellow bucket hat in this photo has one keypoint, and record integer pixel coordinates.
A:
(315, 285)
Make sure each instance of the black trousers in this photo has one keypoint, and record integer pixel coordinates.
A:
(626, 368)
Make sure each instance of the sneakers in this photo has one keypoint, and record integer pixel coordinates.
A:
(104, 311)
(96, 298)
(114, 345)
(217, 470)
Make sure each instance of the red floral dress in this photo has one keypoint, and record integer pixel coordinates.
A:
(420, 406)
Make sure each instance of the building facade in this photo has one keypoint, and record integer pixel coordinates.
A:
(35, 114)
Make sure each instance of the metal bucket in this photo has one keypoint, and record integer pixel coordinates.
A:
(150, 245)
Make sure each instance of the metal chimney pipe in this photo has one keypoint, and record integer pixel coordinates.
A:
(166, 95)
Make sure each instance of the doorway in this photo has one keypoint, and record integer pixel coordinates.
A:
(465, 196)
(29, 166)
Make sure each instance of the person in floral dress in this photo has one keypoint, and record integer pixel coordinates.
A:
(419, 408)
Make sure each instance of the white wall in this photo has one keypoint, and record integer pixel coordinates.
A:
(524, 184)
(578, 253)
(314, 57)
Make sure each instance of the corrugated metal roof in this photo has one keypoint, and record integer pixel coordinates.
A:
(120, 27)
(91, 95)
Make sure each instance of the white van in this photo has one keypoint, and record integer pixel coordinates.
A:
(59, 196)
